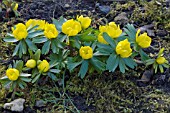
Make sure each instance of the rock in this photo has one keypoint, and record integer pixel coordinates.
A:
(121, 18)
(39, 103)
(104, 9)
(67, 6)
(16, 105)
(161, 33)
(146, 77)
(146, 28)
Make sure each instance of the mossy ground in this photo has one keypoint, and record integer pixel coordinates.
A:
(108, 92)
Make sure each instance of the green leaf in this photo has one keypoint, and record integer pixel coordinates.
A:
(36, 78)
(150, 61)
(39, 40)
(101, 53)
(10, 39)
(19, 65)
(16, 49)
(52, 76)
(109, 40)
(61, 37)
(24, 47)
(122, 66)
(104, 48)
(74, 42)
(130, 62)
(31, 29)
(21, 85)
(14, 84)
(35, 34)
(20, 51)
(53, 47)
(98, 65)
(25, 75)
(143, 55)
(31, 45)
(83, 69)
(88, 38)
(4, 78)
(37, 55)
(161, 68)
(72, 65)
(166, 65)
(55, 70)
(25, 79)
(46, 47)
(112, 62)
(59, 23)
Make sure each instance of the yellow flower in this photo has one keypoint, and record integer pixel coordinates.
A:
(16, 7)
(86, 52)
(50, 31)
(30, 22)
(20, 32)
(31, 63)
(12, 74)
(160, 60)
(123, 48)
(41, 24)
(71, 27)
(101, 39)
(34, 22)
(85, 21)
(43, 66)
(143, 40)
(111, 29)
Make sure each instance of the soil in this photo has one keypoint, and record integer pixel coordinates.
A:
(108, 92)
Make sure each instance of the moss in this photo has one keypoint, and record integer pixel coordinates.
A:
(118, 93)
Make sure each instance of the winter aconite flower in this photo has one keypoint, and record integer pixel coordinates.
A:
(71, 27)
(123, 49)
(101, 39)
(85, 21)
(86, 52)
(43, 66)
(15, 7)
(33, 22)
(12, 74)
(41, 24)
(31, 63)
(160, 60)
(143, 40)
(30, 22)
(50, 31)
(111, 29)
(20, 32)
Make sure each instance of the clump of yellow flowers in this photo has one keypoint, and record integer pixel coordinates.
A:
(74, 43)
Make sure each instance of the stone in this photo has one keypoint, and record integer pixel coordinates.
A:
(121, 18)
(104, 8)
(67, 6)
(39, 103)
(16, 105)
